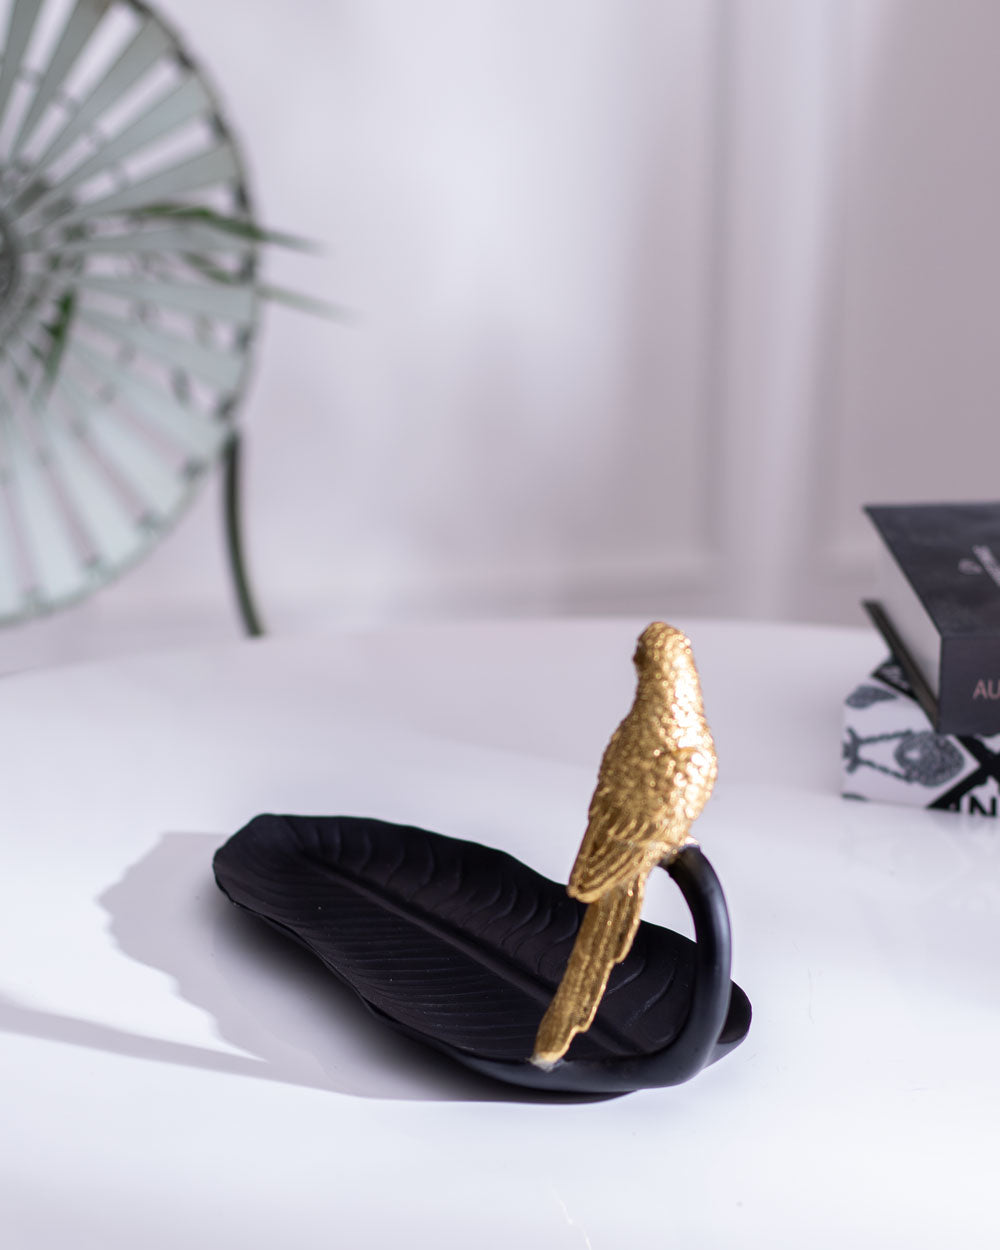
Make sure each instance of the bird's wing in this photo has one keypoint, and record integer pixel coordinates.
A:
(630, 822)
(612, 850)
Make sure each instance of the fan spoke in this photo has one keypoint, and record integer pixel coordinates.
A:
(147, 46)
(181, 104)
(192, 432)
(81, 24)
(227, 303)
(19, 28)
(221, 369)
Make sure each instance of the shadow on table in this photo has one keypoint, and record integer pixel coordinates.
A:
(268, 996)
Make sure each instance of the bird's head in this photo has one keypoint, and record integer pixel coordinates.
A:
(661, 648)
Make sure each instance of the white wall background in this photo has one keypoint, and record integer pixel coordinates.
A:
(648, 297)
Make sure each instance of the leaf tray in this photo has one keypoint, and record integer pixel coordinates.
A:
(462, 947)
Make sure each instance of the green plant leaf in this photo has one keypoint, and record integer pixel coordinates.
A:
(304, 303)
(58, 332)
(279, 294)
(238, 226)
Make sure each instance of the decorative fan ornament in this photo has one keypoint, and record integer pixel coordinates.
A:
(127, 295)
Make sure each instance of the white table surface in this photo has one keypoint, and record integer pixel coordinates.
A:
(173, 1077)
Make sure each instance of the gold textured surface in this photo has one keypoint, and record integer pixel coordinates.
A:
(656, 775)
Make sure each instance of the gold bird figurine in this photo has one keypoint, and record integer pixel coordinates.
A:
(656, 775)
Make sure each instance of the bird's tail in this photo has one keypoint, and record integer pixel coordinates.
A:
(604, 939)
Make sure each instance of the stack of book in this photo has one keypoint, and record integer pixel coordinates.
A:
(924, 728)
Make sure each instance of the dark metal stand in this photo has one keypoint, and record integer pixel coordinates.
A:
(249, 615)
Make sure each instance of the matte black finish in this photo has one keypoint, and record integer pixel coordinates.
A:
(928, 542)
(949, 555)
(462, 947)
(918, 686)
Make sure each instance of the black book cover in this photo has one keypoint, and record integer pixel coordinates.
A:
(943, 618)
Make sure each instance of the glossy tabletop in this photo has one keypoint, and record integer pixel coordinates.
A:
(174, 1076)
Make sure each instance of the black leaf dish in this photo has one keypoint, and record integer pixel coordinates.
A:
(462, 947)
